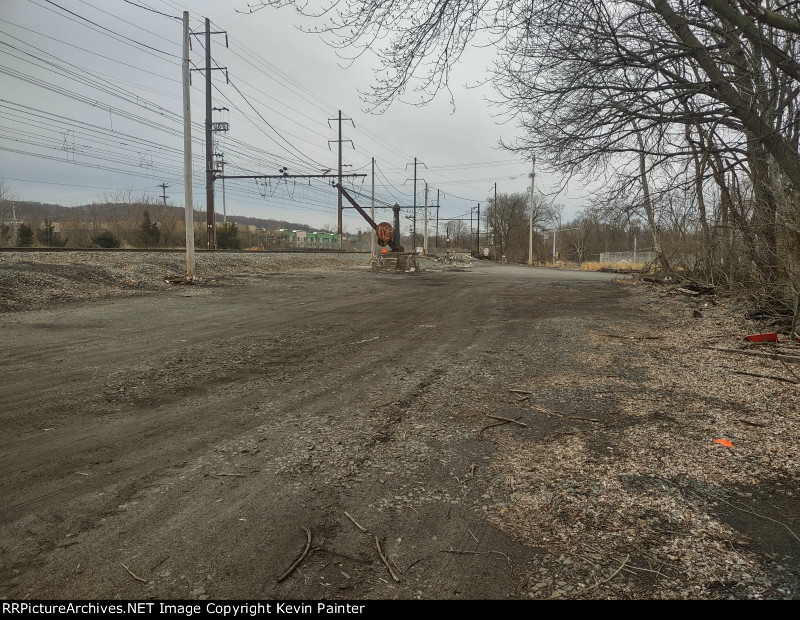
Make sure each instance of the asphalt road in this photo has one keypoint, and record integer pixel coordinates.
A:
(175, 445)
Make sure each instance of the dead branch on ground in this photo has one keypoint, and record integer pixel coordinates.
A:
(384, 560)
(302, 557)
(132, 574)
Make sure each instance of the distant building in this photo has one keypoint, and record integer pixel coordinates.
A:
(322, 240)
(310, 240)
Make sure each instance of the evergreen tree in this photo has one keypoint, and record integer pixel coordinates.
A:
(48, 236)
(228, 236)
(24, 236)
(148, 231)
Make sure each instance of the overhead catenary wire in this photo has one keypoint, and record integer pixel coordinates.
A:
(147, 8)
(137, 26)
(104, 30)
(125, 95)
(88, 51)
(109, 150)
(328, 105)
(48, 119)
(286, 141)
(54, 142)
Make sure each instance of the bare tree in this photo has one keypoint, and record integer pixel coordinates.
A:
(688, 108)
(579, 232)
(583, 54)
(7, 223)
(505, 217)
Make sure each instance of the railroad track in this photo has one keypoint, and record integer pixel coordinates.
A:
(183, 250)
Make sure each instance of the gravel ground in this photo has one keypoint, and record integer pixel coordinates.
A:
(30, 280)
(643, 462)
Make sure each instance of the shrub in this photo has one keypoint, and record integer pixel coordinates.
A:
(24, 236)
(148, 230)
(228, 236)
(106, 239)
(48, 236)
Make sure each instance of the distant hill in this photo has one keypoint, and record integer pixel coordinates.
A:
(30, 211)
(27, 210)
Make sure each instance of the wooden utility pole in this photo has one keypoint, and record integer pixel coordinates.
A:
(371, 237)
(187, 153)
(339, 180)
(163, 187)
(555, 234)
(224, 206)
(414, 230)
(414, 206)
(478, 238)
(530, 226)
(339, 205)
(425, 238)
(490, 238)
(210, 236)
(437, 221)
(209, 126)
(218, 127)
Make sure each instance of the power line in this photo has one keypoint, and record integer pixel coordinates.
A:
(261, 129)
(294, 148)
(88, 51)
(146, 8)
(247, 155)
(97, 8)
(103, 29)
(380, 172)
(262, 63)
(101, 84)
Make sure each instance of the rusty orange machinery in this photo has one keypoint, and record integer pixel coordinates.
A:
(387, 234)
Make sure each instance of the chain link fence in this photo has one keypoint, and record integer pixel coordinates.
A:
(627, 257)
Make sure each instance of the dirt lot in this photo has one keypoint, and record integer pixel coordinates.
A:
(180, 442)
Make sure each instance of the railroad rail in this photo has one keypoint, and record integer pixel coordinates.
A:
(183, 250)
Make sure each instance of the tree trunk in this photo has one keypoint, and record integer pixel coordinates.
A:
(708, 248)
(648, 207)
(723, 90)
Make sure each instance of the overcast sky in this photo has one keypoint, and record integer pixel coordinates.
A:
(91, 105)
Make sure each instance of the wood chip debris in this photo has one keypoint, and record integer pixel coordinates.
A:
(645, 485)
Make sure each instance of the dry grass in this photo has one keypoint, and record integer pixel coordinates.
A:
(597, 266)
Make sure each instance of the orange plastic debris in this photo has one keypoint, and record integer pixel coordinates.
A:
(768, 337)
(724, 442)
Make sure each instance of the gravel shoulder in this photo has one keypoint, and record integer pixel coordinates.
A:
(30, 280)
(187, 435)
